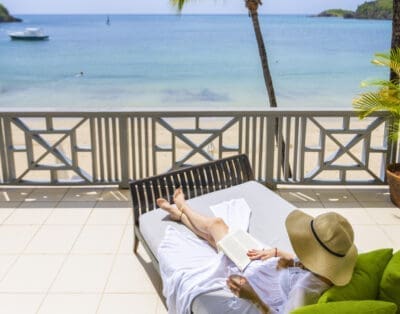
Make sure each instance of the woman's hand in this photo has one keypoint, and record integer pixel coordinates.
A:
(262, 254)
(242, 289)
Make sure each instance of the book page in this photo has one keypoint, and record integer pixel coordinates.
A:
(237, 253)
(247, 241)
(235, 245)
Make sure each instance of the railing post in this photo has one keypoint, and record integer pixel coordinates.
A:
(9, 150)
(270, 152)
(124, 151)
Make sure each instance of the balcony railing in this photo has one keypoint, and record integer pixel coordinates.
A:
(284, 146)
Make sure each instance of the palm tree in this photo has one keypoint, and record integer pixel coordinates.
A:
(252, 6)
(395, 34)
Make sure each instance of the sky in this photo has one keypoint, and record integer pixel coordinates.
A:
(164, 7)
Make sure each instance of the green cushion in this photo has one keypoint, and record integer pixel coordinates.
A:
(364, 285)
(349, 307)
(390, 283)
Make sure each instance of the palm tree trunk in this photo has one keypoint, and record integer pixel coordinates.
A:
(393, 75)
(395, 33)
(264, 60)
(252, 5)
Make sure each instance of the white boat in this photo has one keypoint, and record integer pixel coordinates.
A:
(29, 34)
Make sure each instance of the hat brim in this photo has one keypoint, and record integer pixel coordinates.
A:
(313, 256)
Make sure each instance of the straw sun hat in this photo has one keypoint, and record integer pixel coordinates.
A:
(323, 244)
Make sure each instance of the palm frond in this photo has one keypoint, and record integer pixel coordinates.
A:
(386, 97)
(371, 102)
(179, 4)
(380, 83)
(390, 60)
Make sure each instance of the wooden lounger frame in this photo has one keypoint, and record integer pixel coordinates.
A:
(194, 180)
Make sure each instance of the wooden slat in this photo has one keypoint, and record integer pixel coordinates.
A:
(134, 149)
(108, 148)
(210, 181)
(116, 156)
(101, 149)
(93, 146)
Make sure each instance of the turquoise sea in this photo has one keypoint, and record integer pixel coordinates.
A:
(187, 61)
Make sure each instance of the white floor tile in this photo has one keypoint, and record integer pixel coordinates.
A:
(28, 216)
(70, 304)
(384, 216)
(116, 216)
(369, 238)
(129, 276)
(83, 273)
(342, 205)
(77, 204)
(161, 309)
(128, 303)
(20, 303)
(4, 214)
(5, 263)
(13, 239)
(98, 240)
(68, 216)
(371, 204)
(393, 232)
(126, 246)
(53, 240)
(32, 273)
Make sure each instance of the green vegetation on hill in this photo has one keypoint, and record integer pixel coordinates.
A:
(378, 9)
(336, 13)
(5, 16)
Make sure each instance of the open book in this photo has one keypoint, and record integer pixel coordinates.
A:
(236, 244)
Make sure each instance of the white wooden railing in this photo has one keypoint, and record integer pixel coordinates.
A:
(284, 146)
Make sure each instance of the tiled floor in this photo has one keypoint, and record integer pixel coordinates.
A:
(70, 250)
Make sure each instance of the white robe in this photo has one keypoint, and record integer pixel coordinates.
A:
(189, 266)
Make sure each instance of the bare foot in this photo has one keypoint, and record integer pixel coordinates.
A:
(179, 198)
(174, 212)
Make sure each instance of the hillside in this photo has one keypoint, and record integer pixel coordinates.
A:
(336, 13)
(377, 10)
(5, 17)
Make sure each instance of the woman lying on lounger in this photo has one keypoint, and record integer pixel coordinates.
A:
(275, 281)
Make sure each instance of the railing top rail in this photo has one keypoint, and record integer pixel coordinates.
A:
(325, 112)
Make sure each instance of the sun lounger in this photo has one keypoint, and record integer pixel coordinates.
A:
(208, 184)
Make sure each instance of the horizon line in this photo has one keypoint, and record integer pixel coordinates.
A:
(177, 13)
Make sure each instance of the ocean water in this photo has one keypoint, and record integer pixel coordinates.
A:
(171, 61)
